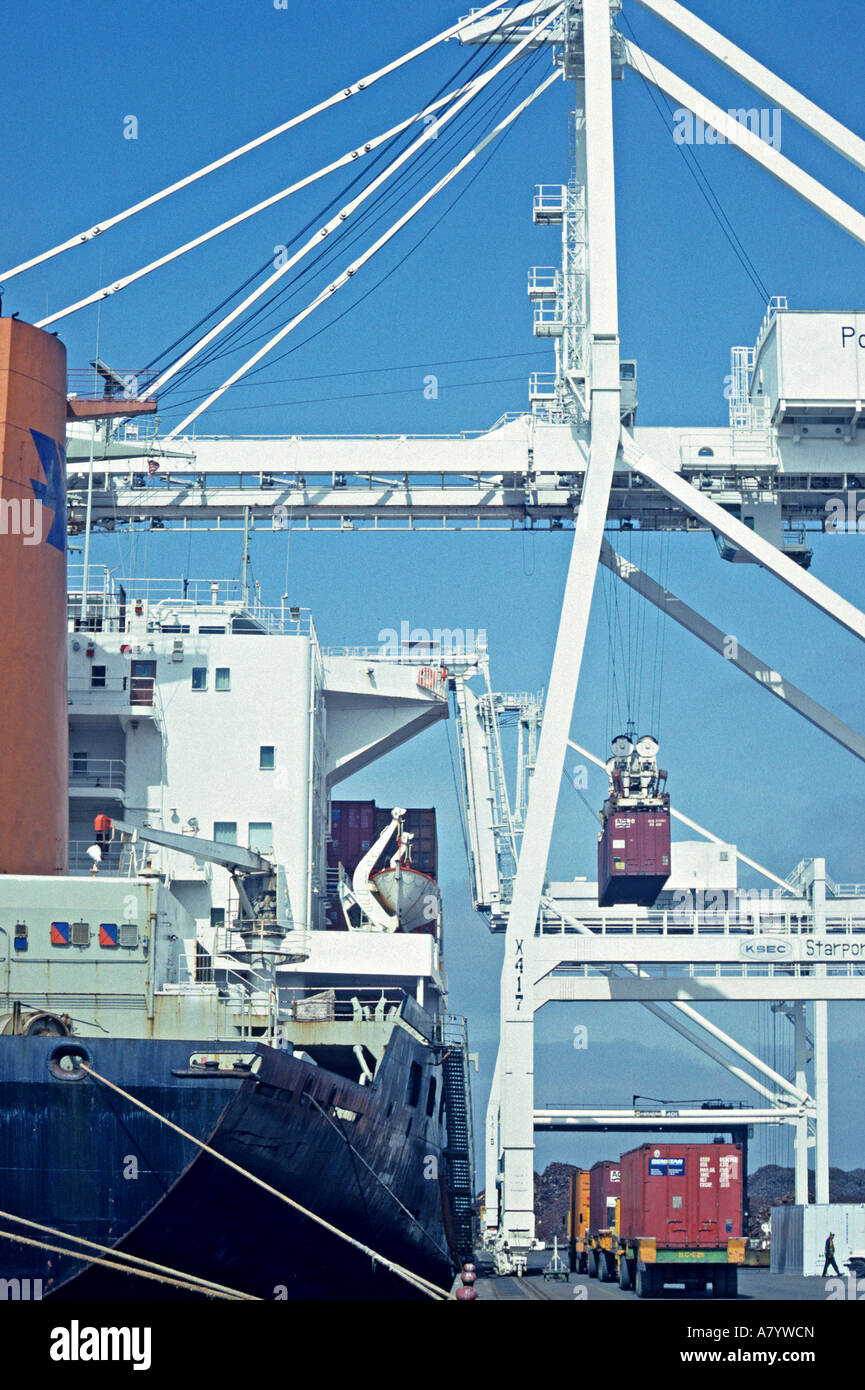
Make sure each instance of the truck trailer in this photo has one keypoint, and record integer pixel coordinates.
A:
(578, 1220)
(602, 1233)
(680, 1218)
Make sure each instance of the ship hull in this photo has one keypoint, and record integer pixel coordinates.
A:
(374, 1178)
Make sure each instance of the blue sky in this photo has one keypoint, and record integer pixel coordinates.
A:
(201, 79)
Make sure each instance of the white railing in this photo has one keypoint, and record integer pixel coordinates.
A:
(542, 386)
(545, 281)
(549, 318)
(97, 772)
(768, 917)
(550, 198)
(81, 863)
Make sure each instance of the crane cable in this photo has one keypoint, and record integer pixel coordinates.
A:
(341, 217)
(347, 92)
(358, 264)
(239, 335)
(105, 291)
(374, 162)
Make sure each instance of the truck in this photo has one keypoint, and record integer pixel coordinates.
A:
(680, 1219)
(578, 1219)
(602, 1232)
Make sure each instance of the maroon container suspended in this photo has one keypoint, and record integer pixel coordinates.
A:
(687, 1196)
(633, 856)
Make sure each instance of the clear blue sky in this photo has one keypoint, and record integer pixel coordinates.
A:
(202, 79)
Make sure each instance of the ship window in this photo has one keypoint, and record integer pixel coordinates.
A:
(706, 453)
(225, 832)
(199, 678)
(414, 1080)
(222, 680)
(442, 1106)
(79, 764)
(217, 917)
(97, 677)
(206, 629)
(261, 836)
(266, 758)
(431, 1096)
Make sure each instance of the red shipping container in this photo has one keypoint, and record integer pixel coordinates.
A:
(633, 856)
(354, 825)
(605, 1185)
(687, 1196)
(352, 830)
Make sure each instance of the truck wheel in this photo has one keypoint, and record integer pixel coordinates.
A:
(645, 1281)
(592, 1263)
(624, 1273)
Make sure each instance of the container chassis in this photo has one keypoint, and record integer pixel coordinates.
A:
(639, 1264)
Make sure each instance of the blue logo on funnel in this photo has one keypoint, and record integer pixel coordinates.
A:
(52, 493)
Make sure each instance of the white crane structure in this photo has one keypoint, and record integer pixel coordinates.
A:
(578, 461)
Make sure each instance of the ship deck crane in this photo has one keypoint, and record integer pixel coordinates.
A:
(264, 924)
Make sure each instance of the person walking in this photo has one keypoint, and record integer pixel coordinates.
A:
(830, 1255)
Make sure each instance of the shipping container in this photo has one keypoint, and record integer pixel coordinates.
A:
(680, 1218)
(605, 1186)
(419, 822)
(799, 1234)
(352, 831)
(684, 1195)
(633, 856)
(578, 1219)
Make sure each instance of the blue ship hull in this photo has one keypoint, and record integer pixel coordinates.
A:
(79, 1157)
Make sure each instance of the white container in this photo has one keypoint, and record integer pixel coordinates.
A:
(799, 1236)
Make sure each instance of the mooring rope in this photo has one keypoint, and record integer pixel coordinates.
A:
(208, 1284)
(416, 1280)
(113, 1264)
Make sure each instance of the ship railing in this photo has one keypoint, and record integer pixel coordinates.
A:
(85, 771)
(364, 1004)
(88, 692)
(81, 863)
(427, 655)
(721, 970)
(767, 915)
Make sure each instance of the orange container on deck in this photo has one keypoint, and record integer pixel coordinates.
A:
(33, 698)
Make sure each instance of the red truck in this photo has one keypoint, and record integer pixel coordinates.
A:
(680, 1218)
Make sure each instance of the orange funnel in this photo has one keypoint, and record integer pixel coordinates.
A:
(34, 806)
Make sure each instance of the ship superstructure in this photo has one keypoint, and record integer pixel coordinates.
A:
(205, 736)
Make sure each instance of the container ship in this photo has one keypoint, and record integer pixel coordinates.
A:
(226, 1061)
